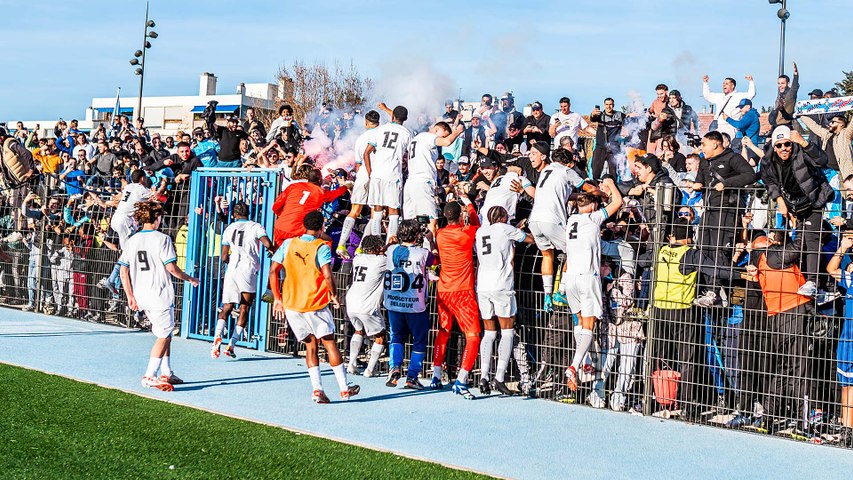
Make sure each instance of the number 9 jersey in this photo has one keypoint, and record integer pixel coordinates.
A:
(406, 280)
(146, 255)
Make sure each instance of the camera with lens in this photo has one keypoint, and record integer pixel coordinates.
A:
(693, 140)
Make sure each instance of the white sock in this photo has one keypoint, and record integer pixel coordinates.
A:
(376, 223)
(220, 327)
(166, 366)
(236, 336)
(393, 222)
(583, 341)
(341, 377)
(153, 366)
(436, 372)
(375, 352)
(462, 376)
(349, 222)
(354, 347)
(504, 352)
(548, 284)
(314, 373)
(487, 343)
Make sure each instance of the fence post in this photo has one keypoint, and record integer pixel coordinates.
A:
(39, 303)
(656, 236)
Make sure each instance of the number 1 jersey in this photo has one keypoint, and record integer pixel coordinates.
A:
(146, 255)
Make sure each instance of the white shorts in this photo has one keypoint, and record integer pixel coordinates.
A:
(498, 303)
(548, 236)
(584, 295)
(371, 323)
(162, 322)
(236, 283)
(124, 228)
(419, 199)
(318, 323)
(358, 196)
(384, 193)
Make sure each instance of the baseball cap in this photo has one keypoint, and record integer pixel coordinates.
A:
(448, 103)
(487, 163)
(506, 95)
(542, 147)
(341, 172)
(476, 115)
(463, 159)
(3, 132)
(233, 118)
(652, 161)
(781, 132)
(198, 131)
(536, 106)
(744, 102)
(817, 92)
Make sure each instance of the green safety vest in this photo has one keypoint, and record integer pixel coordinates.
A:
(673, 290)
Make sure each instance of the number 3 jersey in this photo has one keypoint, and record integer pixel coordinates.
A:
(406, 279)
(146, 255)
(368, 276)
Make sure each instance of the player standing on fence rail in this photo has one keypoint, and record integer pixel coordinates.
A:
(358, 196)
(581, 275)
(240, 251)
(385, 168)
(303, 298)
(147, 260)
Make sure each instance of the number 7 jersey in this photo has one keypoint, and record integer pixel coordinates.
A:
(146, 255)
(406, 279)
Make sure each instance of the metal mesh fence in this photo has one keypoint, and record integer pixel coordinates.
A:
(721, 312)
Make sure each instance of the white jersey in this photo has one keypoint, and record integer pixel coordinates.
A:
(243, 239)
(583, 243)
(500, 194)
(146, 255)
(406, 278)
(422, 157)
(391, 142)
(365, 292)
(568, 124)
(131, 194)
(361, 143)
(495, 252)
(552, 194)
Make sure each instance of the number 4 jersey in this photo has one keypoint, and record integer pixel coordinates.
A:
(368, 275)
(146, 255)
(406, 278)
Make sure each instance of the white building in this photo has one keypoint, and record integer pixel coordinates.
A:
(169, 114)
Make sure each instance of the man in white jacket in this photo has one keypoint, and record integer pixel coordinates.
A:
(727, 102)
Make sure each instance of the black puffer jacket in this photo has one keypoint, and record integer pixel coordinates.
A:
(807, 166)
(733, 171)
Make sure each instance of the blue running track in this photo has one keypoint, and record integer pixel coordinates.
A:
(508, 437)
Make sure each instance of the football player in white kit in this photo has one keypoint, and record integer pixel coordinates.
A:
(496, 292)
(390, 143)
(364, 302)
(548, 216)
(241, 253)
(419, 190)
(504, 190)
(122, 222)
(581, 278)
(147, 261)
(358, 195)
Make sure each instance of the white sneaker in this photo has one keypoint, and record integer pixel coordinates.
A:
(369, 373)
(808, 289)
(352, 369)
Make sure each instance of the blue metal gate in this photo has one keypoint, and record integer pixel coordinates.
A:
(212, 191)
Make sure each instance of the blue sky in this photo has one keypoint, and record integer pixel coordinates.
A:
(65, 53)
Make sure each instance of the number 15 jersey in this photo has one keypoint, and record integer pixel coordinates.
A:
(406, 279)
(368, 276)
(146, 255)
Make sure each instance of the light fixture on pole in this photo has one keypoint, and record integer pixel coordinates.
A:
(139, 57)
(783, 15)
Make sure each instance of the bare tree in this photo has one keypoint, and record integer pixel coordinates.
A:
(306, 87)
